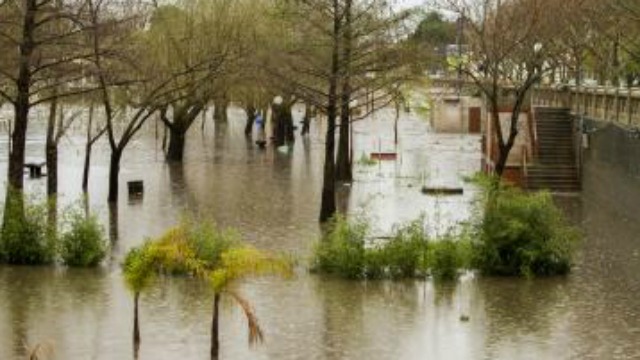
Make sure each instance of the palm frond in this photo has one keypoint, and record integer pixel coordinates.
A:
(255, 332)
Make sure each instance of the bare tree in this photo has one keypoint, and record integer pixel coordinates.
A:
(507, 48)
(342, 50)
(41, 42)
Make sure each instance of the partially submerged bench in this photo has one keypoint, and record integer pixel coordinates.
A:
(35, 168)
(136, 188)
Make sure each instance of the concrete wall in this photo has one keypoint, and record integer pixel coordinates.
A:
(614, 146)
(611, 185)
(522, 143)
(451, 115)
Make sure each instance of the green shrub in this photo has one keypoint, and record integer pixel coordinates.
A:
(341, 251)
(448, 256)
(408, 253)
(83, 243)
(25, 239)
(523, 234)
(404, 255)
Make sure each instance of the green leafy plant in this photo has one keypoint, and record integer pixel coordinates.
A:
(83, 243)
(25, 239)
(522, 234)
(201, 250)
(341, 251)
(347, 250)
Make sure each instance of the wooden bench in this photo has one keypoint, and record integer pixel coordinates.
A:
(432, 190)
(35, 168)
(383, 156)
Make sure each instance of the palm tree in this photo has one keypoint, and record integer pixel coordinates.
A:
(202, 251)
(139, 270)
(235, 264)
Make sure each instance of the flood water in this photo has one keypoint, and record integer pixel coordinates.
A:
(273, 199)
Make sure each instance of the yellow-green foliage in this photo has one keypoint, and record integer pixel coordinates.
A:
(203, 251)
(138, 267)
(244, 261)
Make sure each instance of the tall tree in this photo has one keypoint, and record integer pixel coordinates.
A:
(507, 48)
(341, 51)
(42, 47)
(216, 33)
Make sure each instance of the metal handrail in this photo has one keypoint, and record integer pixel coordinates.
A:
(525, 168)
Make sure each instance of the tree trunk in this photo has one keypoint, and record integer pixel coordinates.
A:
(343, 171)
(87, 164)
(176, 144)
(51, 158)
(288, 124)
(306, 120)
(87, 153)
(220, 105)
(136, 323)
(215, 335)
(113, 222)
(22, 104)
(51, 150)
(252, 112)
(395, 124)
(278, 124)
(343, 166)
(328, 205)
(501, 162)
(114, 171)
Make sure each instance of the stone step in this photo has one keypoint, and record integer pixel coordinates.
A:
(538, 169)
(553, 176)
(546, 110)
(552, 184)
(565, 162)
(556, 189)
(552, 181)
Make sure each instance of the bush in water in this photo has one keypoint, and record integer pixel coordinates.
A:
(515, 234)
(344, 252)
(83, 243)
(522, 234)
(25, 239)
(447, 256)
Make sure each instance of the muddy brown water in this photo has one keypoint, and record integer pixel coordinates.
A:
(273, 199)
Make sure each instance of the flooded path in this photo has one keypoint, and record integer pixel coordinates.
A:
(273, 199)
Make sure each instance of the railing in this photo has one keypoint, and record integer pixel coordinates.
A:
(578, 123)
(617, 105)
(525, 168)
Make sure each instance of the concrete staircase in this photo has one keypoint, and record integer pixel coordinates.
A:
(554, 168)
